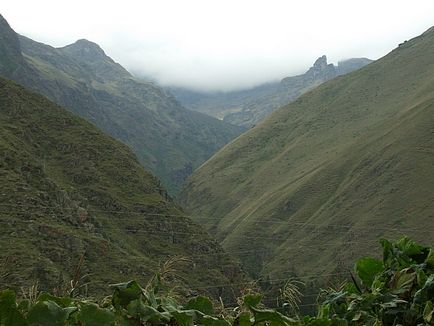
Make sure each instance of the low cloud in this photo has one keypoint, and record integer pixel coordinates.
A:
(223, 45)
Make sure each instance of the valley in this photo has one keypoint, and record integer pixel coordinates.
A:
(69, 192)
(322, 178)
(168, 139)
(212, 206)
(247, 108)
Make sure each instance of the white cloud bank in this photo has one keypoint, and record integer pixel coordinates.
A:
(224, 44)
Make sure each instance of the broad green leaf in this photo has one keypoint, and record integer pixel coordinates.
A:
(92, 315)
(185, 317)
(388, 254)
(201, 304)
(407, 252)
(403, 281)
(126, 292)
(243, 319)
(169, 304)
(428, 312)
(47, 313)
(145, 313)
(210, 321)
(61, 301)
(271, 316)
(252, 300)
(410, 248)
(367, 269)
(430, 259)
(421, 277)
(150, 297)
(350, 288)
(426, 292)
(9, 313)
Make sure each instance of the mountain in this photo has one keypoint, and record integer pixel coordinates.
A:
(248, 107)
(323, 177)
(221, 104)
(69, 191)
(168, 139)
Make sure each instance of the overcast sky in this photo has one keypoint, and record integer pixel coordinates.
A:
(223, 44)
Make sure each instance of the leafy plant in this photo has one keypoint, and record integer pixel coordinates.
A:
(399, 290)
(396, 291)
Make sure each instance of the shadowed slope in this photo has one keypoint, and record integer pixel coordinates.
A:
(68, 190)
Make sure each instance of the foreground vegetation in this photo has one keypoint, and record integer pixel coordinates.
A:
(396, 291)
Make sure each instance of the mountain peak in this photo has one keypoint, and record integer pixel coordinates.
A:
(95, 59)
(321, 70)
(321, 62)
(83, 43)
(85, 49)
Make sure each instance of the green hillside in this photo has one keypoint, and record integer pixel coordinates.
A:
(68, 191)
(168, 139)
(321, 178)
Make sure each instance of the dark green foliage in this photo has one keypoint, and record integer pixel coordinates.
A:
(386, 302)
(367, 268)
(400, 291)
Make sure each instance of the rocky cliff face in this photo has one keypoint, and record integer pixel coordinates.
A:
(320, 72)
(290, 88)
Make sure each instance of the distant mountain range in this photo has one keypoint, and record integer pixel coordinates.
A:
(168, 139)
(248, 107)
(321, 179)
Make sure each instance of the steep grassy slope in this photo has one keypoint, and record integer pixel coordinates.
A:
(67, 190)
(248, 107)
(323, 177)
(168, 139)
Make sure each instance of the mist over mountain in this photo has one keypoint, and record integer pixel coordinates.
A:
(260, 194)
(248, 107)
(168, 139)
(321, 179)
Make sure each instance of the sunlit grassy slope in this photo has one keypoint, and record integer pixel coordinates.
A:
(67, 190)
(323, 177)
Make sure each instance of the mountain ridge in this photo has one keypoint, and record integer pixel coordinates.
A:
(168, 139)
(248, 107)
(320, 178)
(71, 193)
